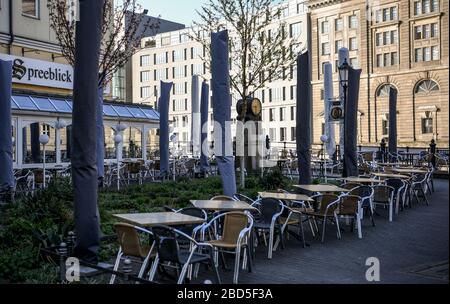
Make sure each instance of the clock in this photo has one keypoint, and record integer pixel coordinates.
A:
(255, 106)
(337, 113)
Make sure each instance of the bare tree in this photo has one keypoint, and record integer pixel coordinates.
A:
(123, 28)
(262, 48)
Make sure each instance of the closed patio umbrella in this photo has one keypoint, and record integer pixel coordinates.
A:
(6, 158)
(204, 105)
(100, 138)
(163, 106)
(393, 120)
(196, 120)
(351, 124)
(303, 128)
(84, 140)
(222, 110)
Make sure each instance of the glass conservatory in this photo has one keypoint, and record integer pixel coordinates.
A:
(35, 115)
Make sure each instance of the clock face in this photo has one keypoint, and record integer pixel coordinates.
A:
(336, 113)
(256, 106)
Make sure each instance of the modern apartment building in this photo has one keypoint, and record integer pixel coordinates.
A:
(400, 43)
(173, 56)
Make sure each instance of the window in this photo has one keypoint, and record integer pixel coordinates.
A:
(434, 53)
(145, 92)
(353, 22)
(354, 63)
(385, 125)
(293, 113)
(325, 27)
(379, 39)
(271, 115)
(394, 37)
(273, 134)
(325, 48)
(338, 44)
(426, 6)
(426, 86)
(387, 59)
(353, 43)
(145, 76)
(145, 60)
(293, 91)
(384, 90)
(427, 123)
(161, 58)
(380, 60)
(30, 8)
(177, 55)
(427, 54)
(282, 114)
(295, 30)
(338, 24)
(418, 55)
(282, 134)
(386, 38)
(434, 30)
(394, 58)
(293, 134)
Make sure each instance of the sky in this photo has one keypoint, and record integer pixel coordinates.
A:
(181, 11)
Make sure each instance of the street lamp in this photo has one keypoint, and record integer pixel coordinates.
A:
(43, 139)
(117, 140)
(343, 82)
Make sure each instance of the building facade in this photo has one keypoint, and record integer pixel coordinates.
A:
(399, 43)
(173, 56)
(42, 88)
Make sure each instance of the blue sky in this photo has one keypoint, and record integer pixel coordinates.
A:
(182, 11)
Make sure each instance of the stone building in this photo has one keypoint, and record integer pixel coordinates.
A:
(400, 43)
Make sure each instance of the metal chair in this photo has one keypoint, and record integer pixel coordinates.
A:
(350, 207)
(270, 211)
(130, 246)
(235, 235)
(384, 195)
(399, 192)
(366, 195)
(325, 210)
(418, 187)
(169, 252)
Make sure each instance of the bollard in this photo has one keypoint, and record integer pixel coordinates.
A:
(433, 153)
(127, 268)
(383, 150)
(62, 250)
(70, 243)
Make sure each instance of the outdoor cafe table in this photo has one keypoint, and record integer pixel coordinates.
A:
(391, 175)
(410, 170)
(159, 218)
(212, 205)
(286, 196)
(361, 180)
(321, 188)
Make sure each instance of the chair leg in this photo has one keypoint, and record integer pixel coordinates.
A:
(116, 266)
(391, 207)
(183, 273)
(153, 270)
(358, 221)
(323, 229)
(271, 242)
(236, 265)
(216, 271)
(311, 227)
(337, 226)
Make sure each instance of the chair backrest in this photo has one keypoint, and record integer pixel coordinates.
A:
(222, 198)
(233, 224)
(268, 208)
(128, 239)
(192, 211)
(362, 191)
(38, 176)
(395, 183)
(134, 167)
(348, 204)
(382, 193)
(420, 178)
(350, 186)
(323, 201)
(166, 244)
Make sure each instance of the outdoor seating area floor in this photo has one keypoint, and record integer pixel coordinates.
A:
(409, 249)
(413, 249)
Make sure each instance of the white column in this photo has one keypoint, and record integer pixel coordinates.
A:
(144, 142)
(343, 54)
(58, 144)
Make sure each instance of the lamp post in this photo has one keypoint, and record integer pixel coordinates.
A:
(117, 140)
(43, 139)
(343, 82)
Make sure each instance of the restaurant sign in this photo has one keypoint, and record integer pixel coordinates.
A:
(40, 73)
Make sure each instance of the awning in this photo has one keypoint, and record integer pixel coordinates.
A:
(58, 105)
